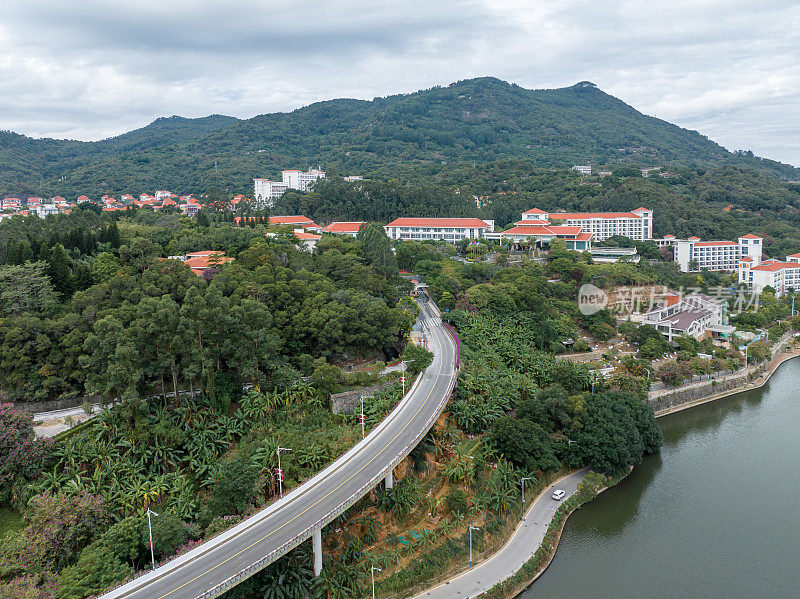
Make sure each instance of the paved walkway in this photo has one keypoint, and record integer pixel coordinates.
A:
(519, 549)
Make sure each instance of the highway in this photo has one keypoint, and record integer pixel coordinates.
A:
(222, 562)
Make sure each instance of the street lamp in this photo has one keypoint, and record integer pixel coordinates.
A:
(372, 572)
(362, 419)
(280, 472)
(569, 444)
(524, 478)
(150, 530)
(471, 528)
(403, 378)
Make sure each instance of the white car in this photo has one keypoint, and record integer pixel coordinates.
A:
(558, 494)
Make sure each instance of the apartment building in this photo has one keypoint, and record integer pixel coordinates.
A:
(450, 230)
(583, 169)
(637, 224)
(694, 255)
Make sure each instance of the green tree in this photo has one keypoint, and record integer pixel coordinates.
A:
(59, 272)
(418, 358)
(524, 443)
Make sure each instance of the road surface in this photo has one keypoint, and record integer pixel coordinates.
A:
(211, 568)
(519, 549)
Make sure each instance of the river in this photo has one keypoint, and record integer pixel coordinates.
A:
(715, 514)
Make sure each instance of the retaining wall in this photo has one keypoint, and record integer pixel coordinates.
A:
(347, 402)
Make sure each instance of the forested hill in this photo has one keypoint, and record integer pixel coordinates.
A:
(477, 120)
(32, 164)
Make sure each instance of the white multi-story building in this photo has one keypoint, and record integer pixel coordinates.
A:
(300, 180)
(437, 229)
(11, 203)
(783, 277)
(161, 195)
(693, 255)
(637, 224)
(583, 169)
(266, 191)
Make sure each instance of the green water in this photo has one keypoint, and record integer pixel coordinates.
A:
(715, 514)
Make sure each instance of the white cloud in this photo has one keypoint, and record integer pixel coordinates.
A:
(95, 68)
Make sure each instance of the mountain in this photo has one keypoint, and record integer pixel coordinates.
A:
(408, 136)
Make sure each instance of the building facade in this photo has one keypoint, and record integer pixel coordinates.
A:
(573, 237)
(450, 230)
(267, 192)
(696, 315)
(637, 224)
(344, 228)
(302, 181)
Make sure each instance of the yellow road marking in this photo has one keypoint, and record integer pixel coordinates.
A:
(254, 543)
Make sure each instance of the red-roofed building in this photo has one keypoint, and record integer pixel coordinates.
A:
(190, 208)
(307, 240)
(450, 230)
(297, 221)
(11, 203)
(200, 262)
(636, 224)
(574, 237)
(783, 277)
(344, 228)
(82, 199)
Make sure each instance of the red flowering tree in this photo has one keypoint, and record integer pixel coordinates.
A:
(21, 453)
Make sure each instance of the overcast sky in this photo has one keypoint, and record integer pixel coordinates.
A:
(89, 69)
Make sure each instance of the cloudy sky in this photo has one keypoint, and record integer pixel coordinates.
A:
(89, 69)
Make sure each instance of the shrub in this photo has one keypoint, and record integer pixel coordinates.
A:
(169, 533)
(234, 489)
(456, 501)
(97, 569)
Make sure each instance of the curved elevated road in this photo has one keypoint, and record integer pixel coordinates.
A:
(223, 562)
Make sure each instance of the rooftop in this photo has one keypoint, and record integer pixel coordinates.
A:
(444, 223)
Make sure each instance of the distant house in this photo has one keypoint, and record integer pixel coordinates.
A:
(344, 228)
(45, 210)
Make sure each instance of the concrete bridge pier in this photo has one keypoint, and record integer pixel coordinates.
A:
(389, 480)
(317, 542)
